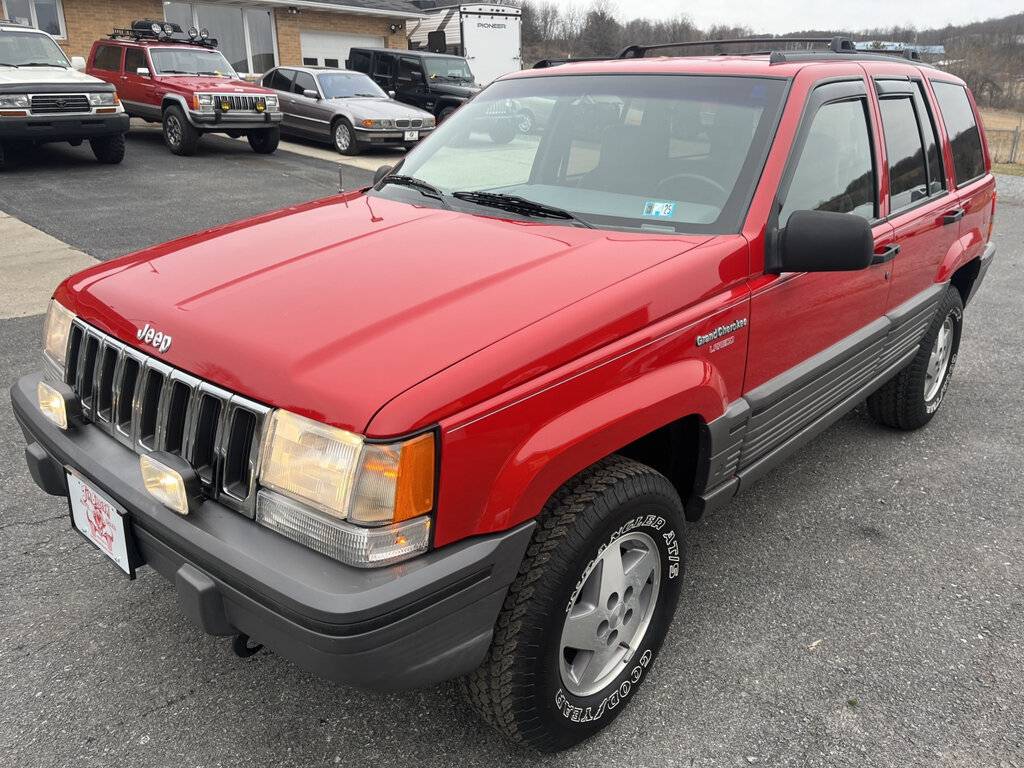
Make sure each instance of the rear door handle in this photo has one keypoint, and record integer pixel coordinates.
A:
(952, 217)
(890, 252)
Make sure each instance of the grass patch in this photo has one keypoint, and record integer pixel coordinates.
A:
(1008, 169)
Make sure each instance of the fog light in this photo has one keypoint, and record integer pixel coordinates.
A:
(347, 543)
(165, 484)
(52, 405)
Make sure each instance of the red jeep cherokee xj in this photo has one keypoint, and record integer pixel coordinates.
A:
(474, 457)
(183, 81)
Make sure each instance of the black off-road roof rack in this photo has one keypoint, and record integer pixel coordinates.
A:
(838, 48)
(143, 30)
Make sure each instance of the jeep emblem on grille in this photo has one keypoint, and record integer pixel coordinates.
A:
(156, 339)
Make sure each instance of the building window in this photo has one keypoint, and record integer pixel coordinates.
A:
(47, 15)
(245, 36)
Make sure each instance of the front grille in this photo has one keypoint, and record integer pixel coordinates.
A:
(239, 103)
(149, 406)
(408, 123)
(60, 103)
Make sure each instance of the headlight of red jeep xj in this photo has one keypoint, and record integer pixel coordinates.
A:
(56, 330)
(360, 502)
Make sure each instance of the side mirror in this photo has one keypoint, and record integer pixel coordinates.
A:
(391, 94)
(381, 172)
(309, 93)
(142, 71)
(78, 63)
(823, 241)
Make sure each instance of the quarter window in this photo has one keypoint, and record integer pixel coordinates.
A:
(108, 58)
(908, 174)
(835, 171)
(936, 176)
(968, 156)
(47, 15)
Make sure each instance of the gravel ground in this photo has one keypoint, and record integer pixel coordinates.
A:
(861, 606)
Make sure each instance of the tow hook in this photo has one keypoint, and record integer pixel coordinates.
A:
(240, 645)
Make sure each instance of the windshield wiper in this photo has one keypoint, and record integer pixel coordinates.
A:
(516, 204)
(215, 74)
(424, 188)
(175, 72)
(5, 64)
(39, 64)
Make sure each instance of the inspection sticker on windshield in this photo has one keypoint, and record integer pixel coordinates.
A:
(659, 209)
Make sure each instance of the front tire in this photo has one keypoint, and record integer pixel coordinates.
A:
(911, 398)
(108, 149)
(264, 142)
(344, 136)
(588, 610)
(180, 136)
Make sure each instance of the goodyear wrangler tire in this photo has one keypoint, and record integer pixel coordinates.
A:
(910, 399)
(588, 610)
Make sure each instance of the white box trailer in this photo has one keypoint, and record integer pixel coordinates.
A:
(488, 35)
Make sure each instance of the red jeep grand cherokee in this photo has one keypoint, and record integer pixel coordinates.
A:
(453, 425)
(183, 81)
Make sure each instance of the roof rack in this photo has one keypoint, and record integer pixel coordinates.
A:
(838, 48)
(165, 32)
(836, 44)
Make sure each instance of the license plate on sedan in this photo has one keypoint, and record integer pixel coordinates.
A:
(102, 522)
(412, 135)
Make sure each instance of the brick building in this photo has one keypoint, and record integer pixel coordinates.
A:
(254, 35)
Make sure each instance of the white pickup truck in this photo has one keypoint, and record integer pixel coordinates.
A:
(44, 98)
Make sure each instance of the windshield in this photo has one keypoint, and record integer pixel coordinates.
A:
(30, 49)
(448, 68)
(662, 153)
(344, 85)
(190, 61)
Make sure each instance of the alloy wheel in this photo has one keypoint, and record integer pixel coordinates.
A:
(610, 613)
(938, 360)
(342, 137)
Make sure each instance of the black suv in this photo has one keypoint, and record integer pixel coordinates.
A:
(436, 82)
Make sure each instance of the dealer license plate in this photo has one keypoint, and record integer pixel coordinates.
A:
(101, 521)
(412, 135)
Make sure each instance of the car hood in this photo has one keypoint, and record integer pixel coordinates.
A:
(446, 88)
(377, 107)
(216, 84)
(48, 75)
(333, 308)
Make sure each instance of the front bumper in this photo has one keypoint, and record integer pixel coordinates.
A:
(405, 626)
(62, 127)
(234, 121)
(396, 138)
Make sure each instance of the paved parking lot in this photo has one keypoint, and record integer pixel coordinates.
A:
(863, 605)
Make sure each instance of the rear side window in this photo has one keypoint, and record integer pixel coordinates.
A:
(134, 59)
(359, 61)
(108, 58)
(835, 171)
(908, 174)
(279, 80)
(968, 156)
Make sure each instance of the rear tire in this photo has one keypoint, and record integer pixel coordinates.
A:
(910, 399)
(598, 588)
(180, 136)
(264, 142)
(108, 149)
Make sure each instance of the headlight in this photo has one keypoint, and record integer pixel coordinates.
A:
(338, 476)
(56, 330)
(271, 102)
(203, 102)
(13, 101)
(378, 124)
(342, 475)
(103, 99)
(429, 122)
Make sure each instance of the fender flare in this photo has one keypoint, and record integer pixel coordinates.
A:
(179, 101)
(570, 441)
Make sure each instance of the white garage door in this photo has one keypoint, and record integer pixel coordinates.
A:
(330, 49)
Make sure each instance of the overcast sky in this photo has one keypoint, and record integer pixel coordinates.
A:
(777, 16)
